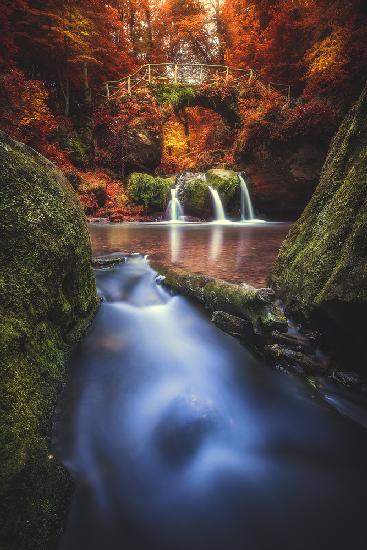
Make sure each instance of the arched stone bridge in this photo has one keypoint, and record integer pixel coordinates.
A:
(190, 74)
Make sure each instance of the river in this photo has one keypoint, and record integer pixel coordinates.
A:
(178, 438)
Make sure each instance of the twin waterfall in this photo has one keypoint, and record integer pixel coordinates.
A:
(175, 210)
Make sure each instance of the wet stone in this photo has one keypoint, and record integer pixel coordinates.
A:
(183, 427)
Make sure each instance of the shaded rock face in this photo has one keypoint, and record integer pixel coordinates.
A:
(321, 270)
(48, 298)
(283, 180)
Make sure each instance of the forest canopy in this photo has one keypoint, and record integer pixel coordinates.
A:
(57, 55)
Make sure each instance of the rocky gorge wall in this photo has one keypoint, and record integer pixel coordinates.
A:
(321, 270)
(48, 299)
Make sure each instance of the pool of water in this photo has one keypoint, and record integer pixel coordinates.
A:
(178, 438)
(233, 252)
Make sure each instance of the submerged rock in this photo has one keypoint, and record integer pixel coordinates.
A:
(321, 270)
(187, 421)
(48, 298)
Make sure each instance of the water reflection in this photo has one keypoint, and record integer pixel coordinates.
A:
(175, 243)
(232, 252)
(178, 438)
(216, 242)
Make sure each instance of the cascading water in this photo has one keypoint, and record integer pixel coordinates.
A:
(218, 206)
(177, 438)
(174, 209)
(247, 210)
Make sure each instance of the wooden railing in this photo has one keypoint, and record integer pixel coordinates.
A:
(193, 74)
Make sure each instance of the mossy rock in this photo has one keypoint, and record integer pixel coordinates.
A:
(254, 305)
(195, 196)
(227, 184)
(151, 192)
(321, 270)
(48, 298)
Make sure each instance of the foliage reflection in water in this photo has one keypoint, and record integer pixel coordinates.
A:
(178, 438)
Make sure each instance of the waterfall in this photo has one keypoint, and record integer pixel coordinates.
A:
(218, 206)
(247, 210)
(174, 209)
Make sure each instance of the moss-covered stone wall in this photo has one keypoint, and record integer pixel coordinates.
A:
(48, 298)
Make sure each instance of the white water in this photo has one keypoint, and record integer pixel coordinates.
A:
(174, 209)
(218, 206)
(247, 210)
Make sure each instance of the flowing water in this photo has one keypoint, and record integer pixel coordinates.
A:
(234, 252)
(247, 210)
(177, 438)
(218, 206)
(174, 208)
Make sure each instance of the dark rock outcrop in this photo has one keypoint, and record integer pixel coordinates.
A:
(283, 180)
(48, 298)
(321, 270)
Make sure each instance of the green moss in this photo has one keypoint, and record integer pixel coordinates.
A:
(196, 197)
(177, 95)
(243, 301)
(48, 299)
(324, 257)
(153, 193)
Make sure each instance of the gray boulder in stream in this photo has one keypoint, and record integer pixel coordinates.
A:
(48, 299)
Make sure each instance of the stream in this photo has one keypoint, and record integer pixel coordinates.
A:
(177, 437)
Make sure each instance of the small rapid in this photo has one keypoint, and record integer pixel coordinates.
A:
(177, 437)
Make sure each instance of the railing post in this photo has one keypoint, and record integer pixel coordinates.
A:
(201, 74)
(227, 73)
(108, 90)
(129, 85)
(175, 74)
(269, 87)
(149, 74)
(251, 75)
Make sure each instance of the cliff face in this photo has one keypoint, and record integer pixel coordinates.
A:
(48, 298)
(321, 270)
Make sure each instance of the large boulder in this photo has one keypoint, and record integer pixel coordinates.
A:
(194, 194)
(48, 298)
(321, 270)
